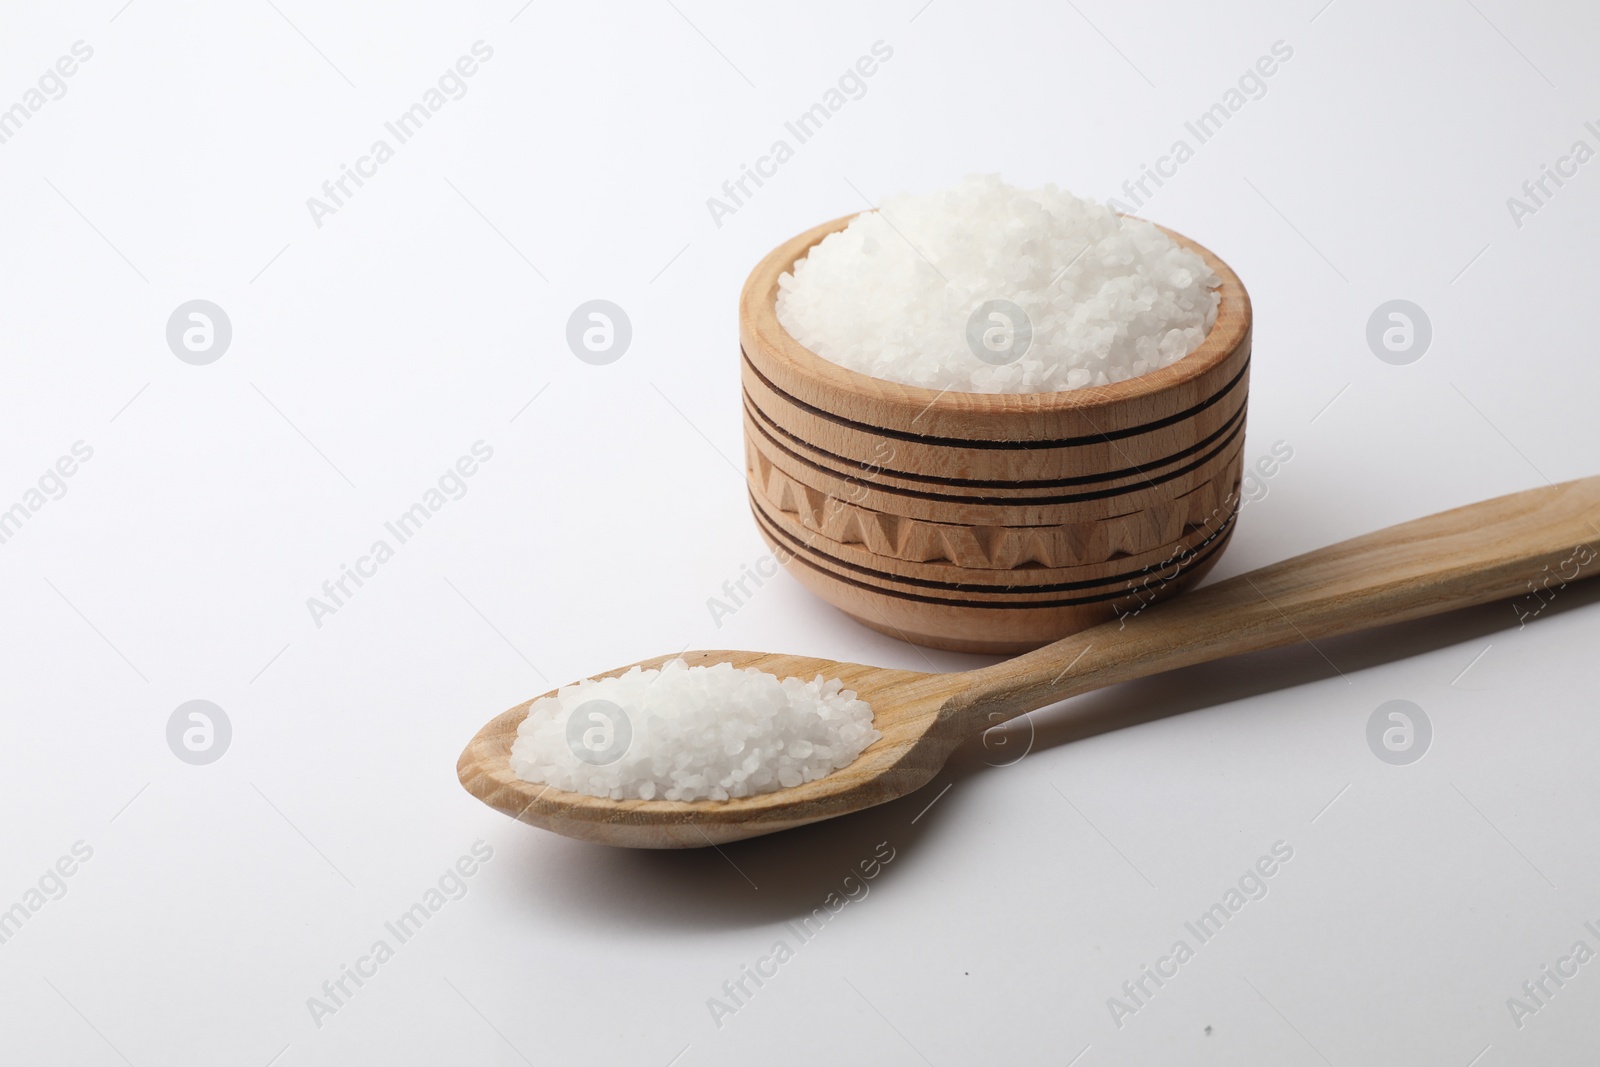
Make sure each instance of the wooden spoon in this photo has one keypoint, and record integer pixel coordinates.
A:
(1527, 545)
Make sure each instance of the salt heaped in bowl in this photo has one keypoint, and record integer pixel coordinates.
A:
(1106, 297)
(690, 733)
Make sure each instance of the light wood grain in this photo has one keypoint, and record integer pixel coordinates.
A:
(1005, 483)
(1488, 551)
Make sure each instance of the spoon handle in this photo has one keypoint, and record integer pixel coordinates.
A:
(1527, 545)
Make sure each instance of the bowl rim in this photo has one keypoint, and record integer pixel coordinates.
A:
(759, 319)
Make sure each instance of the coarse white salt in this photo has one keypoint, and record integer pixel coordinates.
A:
(690, 733)
(986, 288)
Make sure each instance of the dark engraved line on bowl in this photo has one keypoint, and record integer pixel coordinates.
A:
(1128, 459)
(962, 442)
(1021, 501)
(988, 483)
(934, 583)
(794, 524)
(1127, 577)
(778, 536)
(859, 554)
(1018, 501)
(1027, 483)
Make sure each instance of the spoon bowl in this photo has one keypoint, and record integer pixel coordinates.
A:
(905, 709)
(1527, 545)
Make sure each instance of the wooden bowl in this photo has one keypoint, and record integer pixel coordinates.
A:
(990, 522)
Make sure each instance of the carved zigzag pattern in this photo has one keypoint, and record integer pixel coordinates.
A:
(991, 547)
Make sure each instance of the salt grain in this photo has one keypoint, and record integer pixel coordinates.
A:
(894, 294)
(691, 733)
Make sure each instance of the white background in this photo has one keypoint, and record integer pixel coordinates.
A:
(426, 314)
